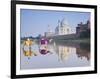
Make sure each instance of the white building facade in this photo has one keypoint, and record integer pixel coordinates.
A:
(63, 28)
(49, 32)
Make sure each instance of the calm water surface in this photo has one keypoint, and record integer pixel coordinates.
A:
(60, 54)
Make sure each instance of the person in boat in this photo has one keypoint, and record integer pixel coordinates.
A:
(44, 41)
(44, 46)
(28, 42)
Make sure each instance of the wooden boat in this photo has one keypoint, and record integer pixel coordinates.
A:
(43, 48)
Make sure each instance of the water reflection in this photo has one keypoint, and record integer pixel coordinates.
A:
(54, 54)
(63, 52)
(27, 49)
(83, 51)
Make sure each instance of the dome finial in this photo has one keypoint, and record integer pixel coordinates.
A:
(64, 22)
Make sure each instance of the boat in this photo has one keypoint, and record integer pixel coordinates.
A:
(43, 48)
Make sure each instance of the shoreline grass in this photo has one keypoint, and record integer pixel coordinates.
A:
(79, 40)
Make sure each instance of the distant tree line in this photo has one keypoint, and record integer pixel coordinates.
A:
(85, 34)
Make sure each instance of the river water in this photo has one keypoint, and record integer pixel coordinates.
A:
(61, 54)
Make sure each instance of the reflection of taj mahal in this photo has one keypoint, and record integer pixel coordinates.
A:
(63, 28)
(64, 52)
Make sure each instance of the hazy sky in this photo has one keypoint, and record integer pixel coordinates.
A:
(35, 22)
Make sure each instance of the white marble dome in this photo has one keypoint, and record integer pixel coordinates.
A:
(64, 22)
(63, 27)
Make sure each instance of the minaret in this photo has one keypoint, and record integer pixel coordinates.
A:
(58, 22)
(59, 26)
(49, 30)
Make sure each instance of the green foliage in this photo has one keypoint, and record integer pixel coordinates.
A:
(85, 34)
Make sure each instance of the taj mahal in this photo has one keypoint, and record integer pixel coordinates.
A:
(63, 28)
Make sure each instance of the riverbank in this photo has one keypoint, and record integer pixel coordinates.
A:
(78, 40)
